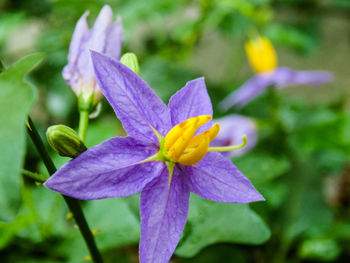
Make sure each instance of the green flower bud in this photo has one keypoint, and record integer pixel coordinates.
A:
(130, 60)
(65, 141)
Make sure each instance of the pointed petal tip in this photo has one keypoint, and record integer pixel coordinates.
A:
(106, 11)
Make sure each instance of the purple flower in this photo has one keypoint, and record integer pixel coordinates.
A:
(164, 157)
(105, 37)
(263, 59)
(279, 78)
(232, 128)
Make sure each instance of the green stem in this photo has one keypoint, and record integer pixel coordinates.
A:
(34, 176)
(83, 124)
(72, 203)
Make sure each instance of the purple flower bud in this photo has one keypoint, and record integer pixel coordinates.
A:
(105, 37)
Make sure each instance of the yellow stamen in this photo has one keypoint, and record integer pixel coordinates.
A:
(181, 137)
(261, 54)
(197, 154)
(181, 143)
(212, 133)
(175, 133)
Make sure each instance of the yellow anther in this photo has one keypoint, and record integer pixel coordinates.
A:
(181, 143)
(261, 54)
(211, 133)
(183, 146)
(175, 133)
(197, 154)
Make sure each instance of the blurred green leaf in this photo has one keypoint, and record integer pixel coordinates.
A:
(8, 23)
(116, 226)
(319, 249)
(262, 167)
(210, 223)
(16, 99)
(10, 230)
(291, 37)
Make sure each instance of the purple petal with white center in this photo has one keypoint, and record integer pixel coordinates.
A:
(216, 178)
(136, 105)
(192, 100)
(110, 169)
(163, 216)
(232, 128)
(115, 40)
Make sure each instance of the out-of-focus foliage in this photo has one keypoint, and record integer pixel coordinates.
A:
(300, 164)
(16, 98)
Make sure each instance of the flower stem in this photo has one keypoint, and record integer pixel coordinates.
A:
(83, 124)
(72, 203)
(34, 176)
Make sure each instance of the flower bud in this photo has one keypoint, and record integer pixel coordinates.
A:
(130, 60)
(65, 141)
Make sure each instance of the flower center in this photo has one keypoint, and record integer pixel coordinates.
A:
(183, 147)
(261, 54)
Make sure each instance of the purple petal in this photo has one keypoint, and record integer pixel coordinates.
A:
(216, 178)
(115, 40)
(284, 76)
(81, 33)
(248, 91)
(232, 128)
(280, 77)
(163, 217)
(110, 169)
(192, 100)
(97, 40)
(134, 102)
(99, 31)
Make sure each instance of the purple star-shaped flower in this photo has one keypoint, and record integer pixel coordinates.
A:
(279, 78)
(105, 37)
(124, 166)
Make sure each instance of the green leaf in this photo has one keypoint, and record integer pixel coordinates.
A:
(116, 226)
(320, 249)
(16, 99)
(210, 223)
(260, 168)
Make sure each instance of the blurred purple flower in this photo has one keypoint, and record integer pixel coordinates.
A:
(124, 166)
(232, 128)
(279, 78)
(105, 37)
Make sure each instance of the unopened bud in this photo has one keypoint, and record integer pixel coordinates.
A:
(65, 141)
(130, 60)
